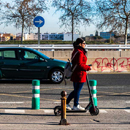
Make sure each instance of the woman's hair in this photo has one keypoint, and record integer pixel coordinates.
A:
(77, 42)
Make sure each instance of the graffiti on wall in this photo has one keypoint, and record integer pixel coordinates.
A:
(112, 64)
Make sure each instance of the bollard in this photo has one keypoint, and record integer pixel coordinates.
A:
(36, 94)
(93, 84)
(63, 120)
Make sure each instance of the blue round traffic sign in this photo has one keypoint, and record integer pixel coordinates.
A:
(39, 21)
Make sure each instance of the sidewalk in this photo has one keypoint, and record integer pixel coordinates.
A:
(21, 116)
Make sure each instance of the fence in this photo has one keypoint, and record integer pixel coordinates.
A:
(54, 47)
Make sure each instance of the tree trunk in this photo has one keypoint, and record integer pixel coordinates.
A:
(29, 29)
(110, 37)
(22, 33)
(126, 28)
(72, 27)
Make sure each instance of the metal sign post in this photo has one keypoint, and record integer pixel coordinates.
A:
(38, 36)
(39, 22)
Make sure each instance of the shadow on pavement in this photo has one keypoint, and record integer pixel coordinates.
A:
(48, 123)
(113, 108)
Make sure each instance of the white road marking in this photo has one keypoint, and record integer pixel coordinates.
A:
(14, 111)
(127, 111)
(102, 111)
(79, 102)
(57, 102)
(83, 102)
(48, 111)
(127, 101)
(110, 87)
(11, 102)
(52, 111)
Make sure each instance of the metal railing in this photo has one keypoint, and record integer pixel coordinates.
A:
(68, 47)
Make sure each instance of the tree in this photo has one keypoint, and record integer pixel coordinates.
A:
(115, 15)
(22, 12)
(0, 4)
(74, 13)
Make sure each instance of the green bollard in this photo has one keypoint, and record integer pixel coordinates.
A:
(36, 94)
(93, 84)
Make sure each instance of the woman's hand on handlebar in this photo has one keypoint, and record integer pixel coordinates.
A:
(90, 66)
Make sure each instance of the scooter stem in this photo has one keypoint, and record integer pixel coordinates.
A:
(91, 99)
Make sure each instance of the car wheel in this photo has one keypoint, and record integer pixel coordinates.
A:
(56, 76)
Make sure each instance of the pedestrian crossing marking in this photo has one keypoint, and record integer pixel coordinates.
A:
(14, 111)
(102, 111)
(127, 101)
(49, 111)
(127, 111)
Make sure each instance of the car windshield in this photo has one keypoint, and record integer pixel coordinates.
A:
(42, 55)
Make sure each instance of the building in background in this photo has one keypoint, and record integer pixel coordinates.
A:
(2, 38)
(18, 37)
(32, 36)
(106, 35)
(56, 36)
(91, 35)
(68, 36)
(51, 36)
(45, 36)
(7, 37)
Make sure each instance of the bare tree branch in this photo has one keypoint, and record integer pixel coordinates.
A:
(22, 12)
(115, 15)
(74, 12)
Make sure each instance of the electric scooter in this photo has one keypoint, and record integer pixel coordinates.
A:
(92, 109)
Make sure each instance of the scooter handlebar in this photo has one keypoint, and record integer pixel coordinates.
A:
(90, 65)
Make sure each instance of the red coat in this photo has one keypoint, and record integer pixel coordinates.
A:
(80, 59)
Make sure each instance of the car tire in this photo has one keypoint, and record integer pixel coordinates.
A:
(56, 76)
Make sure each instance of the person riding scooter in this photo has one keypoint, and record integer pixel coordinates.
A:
(79, 74)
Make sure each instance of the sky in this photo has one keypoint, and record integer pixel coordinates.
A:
(51, 25)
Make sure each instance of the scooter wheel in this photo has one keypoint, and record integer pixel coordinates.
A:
(92, 112)
(57, 110)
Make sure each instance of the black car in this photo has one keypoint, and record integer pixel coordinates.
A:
(27, 63)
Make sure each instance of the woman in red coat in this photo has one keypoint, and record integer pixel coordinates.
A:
(78, 77)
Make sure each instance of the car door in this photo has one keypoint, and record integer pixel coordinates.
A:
(30, 65)
(9, 63)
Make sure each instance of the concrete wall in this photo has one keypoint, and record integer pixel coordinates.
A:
(102, 61)
(108, 54)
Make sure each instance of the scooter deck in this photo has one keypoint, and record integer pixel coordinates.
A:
(76, 111)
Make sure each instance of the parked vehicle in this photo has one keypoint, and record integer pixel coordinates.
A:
(27, 63)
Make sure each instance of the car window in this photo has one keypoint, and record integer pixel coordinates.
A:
(7, 54)
(27, 55)
(42, 55)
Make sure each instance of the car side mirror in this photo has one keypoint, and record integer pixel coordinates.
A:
(41, 59)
